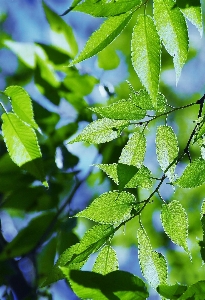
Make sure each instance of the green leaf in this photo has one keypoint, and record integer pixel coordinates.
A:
(193, 175)
(107, 32)
(167, 149)
(192, 11)
(21, 104)
(195, 291)
(106, 8)
(75, 256)
(153, 264)
(73, 5)
(22, 145)
(140, 177)
(146, 54)
(172, 29)
(121, 110)
(110, 208)
(64, 37)
(115, 285)
(171, 291)
(101, 131)
(108, 59)
(175, 223)
(134, 152)
(28, 237)
(106, 261)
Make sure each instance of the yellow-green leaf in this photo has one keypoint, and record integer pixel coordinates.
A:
(146, 54)
(106, 261)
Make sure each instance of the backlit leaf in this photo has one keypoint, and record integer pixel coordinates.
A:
(134, 152)
(146, 54)
(172, 29)
(167, 149)
(107, 8)
(21, 104)
(107, 32)
(115, 285)
(106, 261)
(22, 145)
(110, 208)
(75, 256)
(193, 175)
(175, 223)
(192, 11)
(153, 264)
(101, 131)
(195, 291)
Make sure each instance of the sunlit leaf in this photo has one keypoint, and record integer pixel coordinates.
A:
(108, 59)
(172, 29)
(193, 175)
(153, 264)
(110, 208)
(102, 37)
(175, 223)
(76, 256)
(21, 104)
(101, 131)
(146, 54)
(134, 152)
(192, 11)
(195, 291)
(107, 8)
(22, 145)
(106, 261)
(115, 285)
(167, 149)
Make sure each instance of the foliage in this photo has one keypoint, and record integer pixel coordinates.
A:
(40, 174)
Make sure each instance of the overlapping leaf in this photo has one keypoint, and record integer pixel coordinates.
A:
(175, 223)
(107, 32)
(192, 11)
(134, 152)
(167, 149)
(114, 285)
(195, 291)
(22, 145)
(106, 261)
(153, 264)
(107, 8)
(21, 104)
(101, 131)
(133, 177)
(110, 208)
(75, 256)
(171, 291)
(146, 54)
(172, 29)
(193, 175)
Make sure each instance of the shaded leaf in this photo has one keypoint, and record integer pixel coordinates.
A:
(167, 149)
(171, 291)
(195, 291)
(115, 285)
(106, 261)
(22, 145)
(108, 59)
(101, 131)
(175, 223)
(28, 237)
(146, 57)
(134, 152)
(153, 264)
(193, 175)
(172, 29)
(110, 208)
(75, 256)
(102, 37)
(106, 8)
(21, 104)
